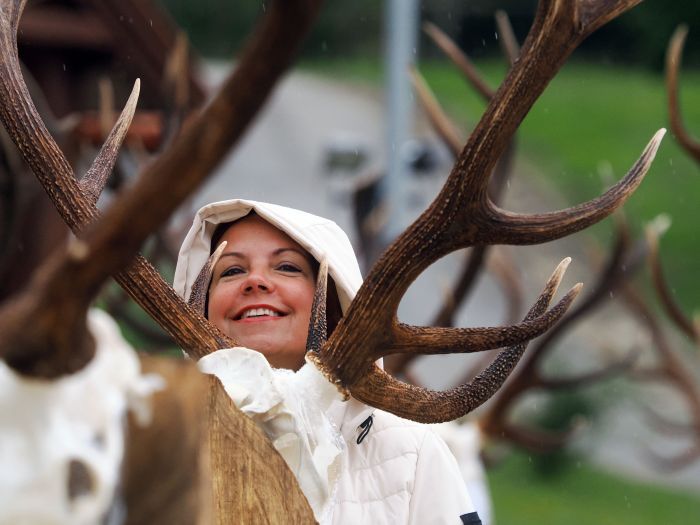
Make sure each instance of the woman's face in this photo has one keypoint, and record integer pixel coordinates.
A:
(261, 291)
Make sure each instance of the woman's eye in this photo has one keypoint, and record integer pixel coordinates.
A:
(287, 267)
(234, 270)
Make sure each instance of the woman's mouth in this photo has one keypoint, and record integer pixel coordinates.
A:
(257, 312)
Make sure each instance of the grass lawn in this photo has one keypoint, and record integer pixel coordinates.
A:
(583, 496)
(592, 118)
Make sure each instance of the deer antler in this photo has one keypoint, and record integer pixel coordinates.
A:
(671, 370)
(196, 151)
(674, 55)
(461, 216)
(674, 311)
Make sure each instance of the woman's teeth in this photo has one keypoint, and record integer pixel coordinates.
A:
(259, 312)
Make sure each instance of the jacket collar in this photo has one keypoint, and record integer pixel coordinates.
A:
(347, 417)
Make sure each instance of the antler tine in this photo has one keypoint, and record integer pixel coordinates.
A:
(623, 261)
(460, 59)
(511, 228)
(677, 462)
(436, 115)
(318, 325)
(429, 340)
(534, 440)
(95, 178)
(200, 287)
(507, 37)
(663, 290)
(616, 368)
(376, 388)
(665, 425)
(674, 55)
(670, 369)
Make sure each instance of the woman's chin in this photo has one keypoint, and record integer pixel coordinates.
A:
(276, 353)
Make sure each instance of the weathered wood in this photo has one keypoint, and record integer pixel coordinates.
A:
(202, 461)
(264, 491)
(166, 466)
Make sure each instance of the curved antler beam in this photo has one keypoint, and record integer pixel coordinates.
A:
(616, 368)
(674, 55)
(677, 462)
(535, 440)
(663, 290)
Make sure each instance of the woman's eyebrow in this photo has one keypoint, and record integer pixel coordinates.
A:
(278, 251)
(232, 254)
(290, 249)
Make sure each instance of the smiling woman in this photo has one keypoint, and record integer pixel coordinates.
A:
(262, 289)
(374, 467)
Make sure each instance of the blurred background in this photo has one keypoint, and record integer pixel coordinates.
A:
(602, 425)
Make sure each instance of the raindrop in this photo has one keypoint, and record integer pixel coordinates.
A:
(64, 67)
(495, 35)
(483, 42)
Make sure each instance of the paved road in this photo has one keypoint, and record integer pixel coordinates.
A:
(282, 160)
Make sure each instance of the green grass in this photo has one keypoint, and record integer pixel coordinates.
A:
(583, 496)
(592, 118)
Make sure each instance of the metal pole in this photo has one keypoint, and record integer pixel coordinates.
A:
(401, 28)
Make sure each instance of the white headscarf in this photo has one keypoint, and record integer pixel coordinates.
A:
(320, 237)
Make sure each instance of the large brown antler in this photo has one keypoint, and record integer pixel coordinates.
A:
(193, 155)
(674, 54)
(462, 215)
(42, 330)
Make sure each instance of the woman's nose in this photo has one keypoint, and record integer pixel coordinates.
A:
(257, 282)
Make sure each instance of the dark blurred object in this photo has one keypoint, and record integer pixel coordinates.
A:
(420, 156)
(343, 154)
(67, 45)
